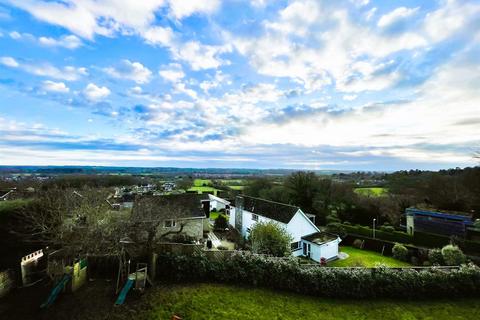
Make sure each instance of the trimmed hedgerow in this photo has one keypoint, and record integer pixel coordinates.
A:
(287, 274)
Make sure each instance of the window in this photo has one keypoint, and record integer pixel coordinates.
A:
(254, 217)
(248, 230)
(295, 245)
(169, 223)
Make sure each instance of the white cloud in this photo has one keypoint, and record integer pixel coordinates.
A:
(9, 62)
(181, 9)
(94, 93)
(53, 86)
(454, 16)
(158, 35)
(68, 73)
(396, 15)
(360, 3)
(200, 56)
(173, 72)
(68, 41)
(88, 18)
(349, 97)
(131, 71)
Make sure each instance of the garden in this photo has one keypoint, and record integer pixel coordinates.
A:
(365, 258)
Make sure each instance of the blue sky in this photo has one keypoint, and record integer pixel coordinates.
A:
(362, 85)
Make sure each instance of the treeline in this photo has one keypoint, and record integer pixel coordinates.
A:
(454, 189)
(334, 201)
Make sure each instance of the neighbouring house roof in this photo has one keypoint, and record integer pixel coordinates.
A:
(189, 203)
(451, 215)
(319, 237)
(277, 211)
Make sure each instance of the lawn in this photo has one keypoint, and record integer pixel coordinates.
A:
(372, 192)
(240, 188)
(214, 215)
(215, 301)
(365, 258)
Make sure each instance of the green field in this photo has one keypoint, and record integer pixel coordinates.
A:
(240, 188)
(372, 192)
(201, 182)
(215, 301)
(365, 258)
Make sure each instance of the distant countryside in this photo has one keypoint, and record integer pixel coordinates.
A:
(214, 159)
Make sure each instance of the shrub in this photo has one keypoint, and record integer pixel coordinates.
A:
(387, 228)
(400, 252)
(220, 223)
(336, 228)
(270, 238)
(357, 243)
(435, 257)
(347, 223)
(452, 255)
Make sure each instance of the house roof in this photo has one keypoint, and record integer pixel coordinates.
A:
(319, 237)
(190, 204)
(277, 211)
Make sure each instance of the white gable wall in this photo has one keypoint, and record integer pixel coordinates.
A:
(248, 222)
(300, 226)
(327, 250)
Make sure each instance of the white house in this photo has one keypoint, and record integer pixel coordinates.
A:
(217, 203)
(308, 240)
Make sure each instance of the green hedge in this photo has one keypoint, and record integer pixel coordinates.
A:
(395, 236)
(422, 239)
(287, 274)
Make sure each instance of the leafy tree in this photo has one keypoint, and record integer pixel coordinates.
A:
(270, 238)
(257, 186)
(452, 255)
(303, 187)
(185, 183)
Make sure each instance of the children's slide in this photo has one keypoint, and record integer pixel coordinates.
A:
(56, 291)
(123, 294)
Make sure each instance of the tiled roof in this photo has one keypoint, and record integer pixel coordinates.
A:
(277, 211)
(190, 204)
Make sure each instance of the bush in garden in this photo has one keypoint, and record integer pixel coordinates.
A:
(453, 256)
(220, 223)
(336, 228)
(270, 238)
(387, 228)
(245, 268)
(400, 252)
(435, 257)
(357, 243)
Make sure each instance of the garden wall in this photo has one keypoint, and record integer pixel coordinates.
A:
(245, 268)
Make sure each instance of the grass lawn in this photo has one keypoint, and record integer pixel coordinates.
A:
(215, 301)
(364, 258)
(372, 192)
(240, 188)
(201, 182)
(214, 215)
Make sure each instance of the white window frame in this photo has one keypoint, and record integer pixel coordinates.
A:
(255, 217)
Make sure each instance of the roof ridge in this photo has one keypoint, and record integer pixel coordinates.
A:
(276, 202)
